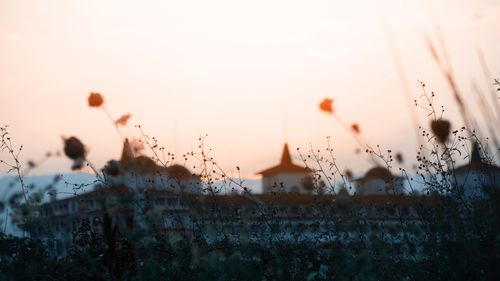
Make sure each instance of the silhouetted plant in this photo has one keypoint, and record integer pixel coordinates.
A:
(226, 232)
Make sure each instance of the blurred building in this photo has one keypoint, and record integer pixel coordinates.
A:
(287, 177)
(143, 199)
(379, 181)
(140, 172)
(235, 218)
(478, 178)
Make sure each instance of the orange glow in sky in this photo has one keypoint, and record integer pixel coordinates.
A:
(250, 74)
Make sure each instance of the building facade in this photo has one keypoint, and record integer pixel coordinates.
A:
(287, 177)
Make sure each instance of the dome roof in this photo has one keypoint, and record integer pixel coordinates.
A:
(142, 164)
(379, 173)
(179, 172)
(145, 162)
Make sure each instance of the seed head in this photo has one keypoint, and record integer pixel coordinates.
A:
(95, 100)
(441, 129)
(355, 128)
(73, 148)
(327, 105)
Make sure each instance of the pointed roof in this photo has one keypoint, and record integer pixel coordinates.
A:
(127, 152)
(140, 163)
(145, 164)
(477, 162)
(475, 154)
(285, 155)
(285, 166)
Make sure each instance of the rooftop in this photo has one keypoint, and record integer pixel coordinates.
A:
(285, 166)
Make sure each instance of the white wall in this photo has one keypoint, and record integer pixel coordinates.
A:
(475, 183)
(292, 182)
(377, 186)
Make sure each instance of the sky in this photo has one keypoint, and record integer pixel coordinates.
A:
(250, 74)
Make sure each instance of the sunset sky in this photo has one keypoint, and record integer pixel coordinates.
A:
(250, 74)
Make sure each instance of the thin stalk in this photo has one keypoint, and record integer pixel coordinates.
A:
(402, 79)
(447, 71)
(113, 122)
(487, 77)
(98, 175)
(488, 115)
(362, 144)
(6, 220)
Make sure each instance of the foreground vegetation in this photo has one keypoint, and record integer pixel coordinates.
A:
(456, 238)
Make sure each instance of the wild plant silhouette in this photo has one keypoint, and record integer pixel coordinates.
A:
(147, 218)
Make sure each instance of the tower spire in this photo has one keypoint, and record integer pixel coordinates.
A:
(475, 154)
(127, 153)
(285, 157)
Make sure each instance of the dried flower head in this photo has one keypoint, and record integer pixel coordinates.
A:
(355, 128)
(73, 148)
(95, 100)
(327, 105)
(123, 120)
(441, 129)
(399, 157)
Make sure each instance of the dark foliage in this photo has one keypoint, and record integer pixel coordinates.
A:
(458, 245)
